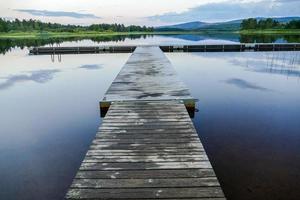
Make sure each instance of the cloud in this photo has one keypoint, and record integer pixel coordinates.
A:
(287, 1)
(244, 84)
(230, 10)
(48, 13)
(40, 76)
(91, 67)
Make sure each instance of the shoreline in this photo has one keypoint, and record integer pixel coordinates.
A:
(57, 35)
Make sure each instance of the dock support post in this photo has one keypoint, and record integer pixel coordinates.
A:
(104, 106)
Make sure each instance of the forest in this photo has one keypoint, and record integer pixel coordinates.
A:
(269, 23)
(36, 25)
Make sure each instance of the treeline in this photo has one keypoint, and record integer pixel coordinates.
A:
(36, 25)
(268, 23)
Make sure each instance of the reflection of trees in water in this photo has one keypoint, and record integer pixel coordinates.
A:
(269, 38)
(292, 38)
(258, 38)
(118, 38)
(8, 44)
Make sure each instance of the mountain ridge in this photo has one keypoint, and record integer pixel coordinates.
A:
(228, 25)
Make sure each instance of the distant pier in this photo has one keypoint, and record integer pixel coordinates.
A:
(168, 48)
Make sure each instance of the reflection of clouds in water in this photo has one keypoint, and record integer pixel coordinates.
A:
(39, 76)
(282, 63)
(245, 84)
(207, 38)
(91, 67)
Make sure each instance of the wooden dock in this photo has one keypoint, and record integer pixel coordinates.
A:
(147, 75)
(147, 146)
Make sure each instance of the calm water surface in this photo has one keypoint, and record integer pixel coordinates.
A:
(248, 119)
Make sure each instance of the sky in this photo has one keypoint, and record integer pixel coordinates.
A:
(145, 12)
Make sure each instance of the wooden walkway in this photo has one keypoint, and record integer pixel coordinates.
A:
(147, 146)
(146, 150)
(147, 75)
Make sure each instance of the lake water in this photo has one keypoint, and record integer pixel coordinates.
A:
(248, 118)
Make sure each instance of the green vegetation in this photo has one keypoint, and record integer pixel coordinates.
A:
(36, 29)
(269, 26)
(271, 32)
(81, 34)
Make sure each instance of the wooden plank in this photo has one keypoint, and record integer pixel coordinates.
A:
(145, 183)
(145, 158)
(142, 193)
(144, 153)
(146, 174)
(151, 131)
(184, 127)
(145, 166)
(145, 149)
(145, 124)
(146, 140)
(129, 146)
(128, 120)
(145, 136)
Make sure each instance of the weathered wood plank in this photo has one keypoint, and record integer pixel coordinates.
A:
(144, 174)
(145, 166)
(143, 153)
(116, 145)
(137, 121)
(142, 193)
(145, 158)
(153, 125)
(101, 140)
(149, 128)
(145, 136)
(145, 183)
(151, 131)
(146, 149)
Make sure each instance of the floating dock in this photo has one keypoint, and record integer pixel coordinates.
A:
(147, 75)
(147, 146)
(169, 48)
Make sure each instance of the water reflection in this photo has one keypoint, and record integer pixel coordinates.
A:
(280, 63)
(8, 44)
(214, 37)
(39, 76)
(269, 38)
(247, 129)
(91, 66)
(223, 37)
(250, 135)
(49, 116)
(243, 84)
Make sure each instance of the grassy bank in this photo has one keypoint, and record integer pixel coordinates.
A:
(90, 34)
(46, 35)
(271, 32)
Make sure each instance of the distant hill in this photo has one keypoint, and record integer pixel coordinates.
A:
(229, 25)
(186, 26)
